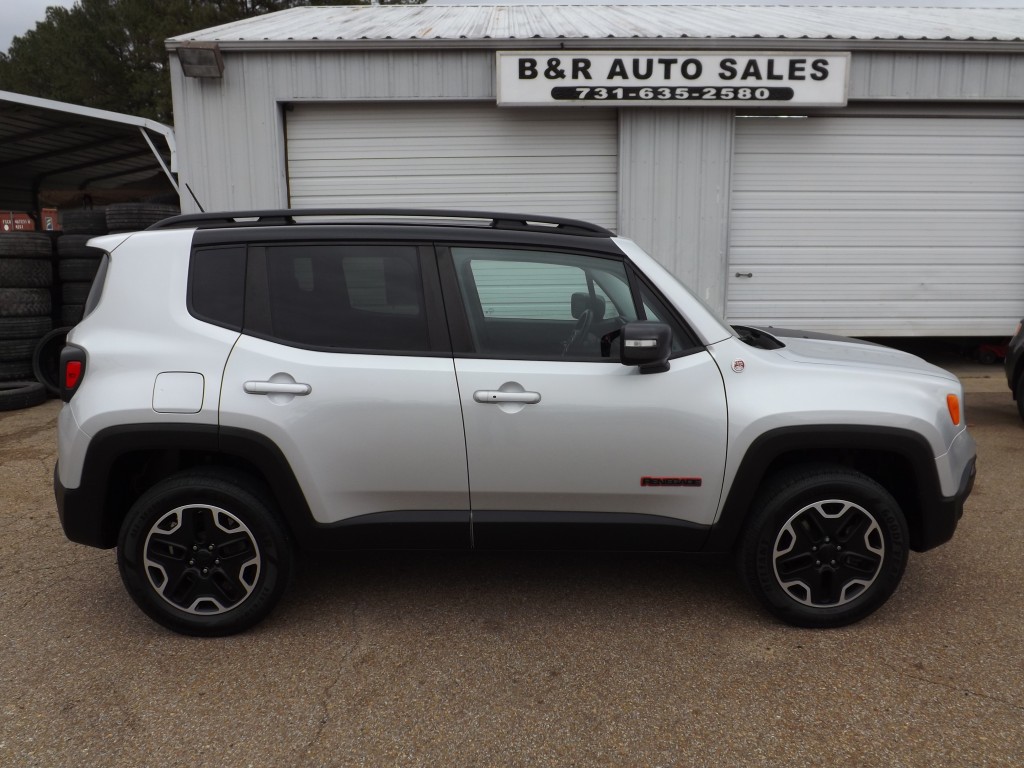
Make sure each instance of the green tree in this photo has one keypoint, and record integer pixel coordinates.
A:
(110, 54)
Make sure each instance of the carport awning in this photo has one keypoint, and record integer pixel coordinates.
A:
(48, 144)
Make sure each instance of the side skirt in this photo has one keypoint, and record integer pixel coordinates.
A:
(451, 530)
(611, 531)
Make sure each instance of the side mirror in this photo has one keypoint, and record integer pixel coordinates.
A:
(647, 345)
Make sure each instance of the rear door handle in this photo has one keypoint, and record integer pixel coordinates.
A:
(276, 388)
(496, 396)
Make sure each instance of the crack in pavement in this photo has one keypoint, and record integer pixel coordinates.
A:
(325, 700)
(957, 688)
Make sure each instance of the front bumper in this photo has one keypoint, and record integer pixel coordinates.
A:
(939, 523)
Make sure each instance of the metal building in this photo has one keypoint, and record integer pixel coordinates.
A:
(858, 170)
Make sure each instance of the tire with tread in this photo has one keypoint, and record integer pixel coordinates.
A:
(26, 245)
(85, 221)
(130, 217)
(204, 553)
(25, 273)
(24, 302)
(74, 247)
(21, 394)
(72, 314)
(825, 546)
(16, 370)
(74, 293)
(17, 349)
(77, 270)
(24, 327)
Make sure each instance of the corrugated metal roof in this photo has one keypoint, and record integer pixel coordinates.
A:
(51, 144)
(496, 23)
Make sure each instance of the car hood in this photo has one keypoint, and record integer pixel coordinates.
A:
(825, 349)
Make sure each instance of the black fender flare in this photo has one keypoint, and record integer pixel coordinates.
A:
(929, 517)
(91, 514)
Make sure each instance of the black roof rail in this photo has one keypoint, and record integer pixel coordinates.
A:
(289, 216)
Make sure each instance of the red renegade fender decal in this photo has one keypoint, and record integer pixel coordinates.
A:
(656, 482)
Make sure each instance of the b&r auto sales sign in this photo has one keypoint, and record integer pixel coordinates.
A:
(676, 78)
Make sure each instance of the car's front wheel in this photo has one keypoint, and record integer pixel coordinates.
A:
(203, 553)
(825, 547)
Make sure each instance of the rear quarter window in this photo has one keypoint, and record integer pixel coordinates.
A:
(97, 285)
(217, 285)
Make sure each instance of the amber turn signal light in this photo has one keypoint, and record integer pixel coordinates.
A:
(953, 404)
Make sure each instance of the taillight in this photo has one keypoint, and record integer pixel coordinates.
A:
(72, 369)
(72, 373)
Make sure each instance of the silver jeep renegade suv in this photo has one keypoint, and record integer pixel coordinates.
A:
(244, 385)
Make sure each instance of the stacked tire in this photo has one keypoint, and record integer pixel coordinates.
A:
(26, 277)
(131, 217)
(76, 269)
(77, 262)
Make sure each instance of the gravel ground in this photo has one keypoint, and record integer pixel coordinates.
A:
(515, 660)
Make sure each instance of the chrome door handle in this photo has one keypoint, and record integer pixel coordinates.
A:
(496, 396)
(276, 388)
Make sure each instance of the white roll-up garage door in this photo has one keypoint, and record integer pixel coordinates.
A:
(878, 226)
(449, 155)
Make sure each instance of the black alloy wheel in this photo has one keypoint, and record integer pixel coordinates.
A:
(203, 553)
(828, 553)
(825, 547)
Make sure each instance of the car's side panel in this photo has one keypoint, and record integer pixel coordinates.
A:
(374, 433)
(124, 460)
(134, 336)
(597, 431)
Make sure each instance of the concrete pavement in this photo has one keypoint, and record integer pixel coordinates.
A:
(516, 660)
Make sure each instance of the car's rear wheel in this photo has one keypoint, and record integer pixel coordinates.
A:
(203, 553)
(826, 546)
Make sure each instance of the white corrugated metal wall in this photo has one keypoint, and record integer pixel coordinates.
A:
(675, 191)
(891, 226)
(671, 195)
(454, 155)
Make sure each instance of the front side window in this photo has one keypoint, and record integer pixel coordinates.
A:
(656, 311)
(540, 304)
(351, 297)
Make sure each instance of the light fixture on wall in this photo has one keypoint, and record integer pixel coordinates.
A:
(201, 60)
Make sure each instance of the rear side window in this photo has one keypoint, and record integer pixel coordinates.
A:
(97, 285)
(217, 285)
(348, 297)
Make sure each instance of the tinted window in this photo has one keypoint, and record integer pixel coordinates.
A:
(96, 291)
(218, 285)
(542, 304)
(656, 311)
(364, 297)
